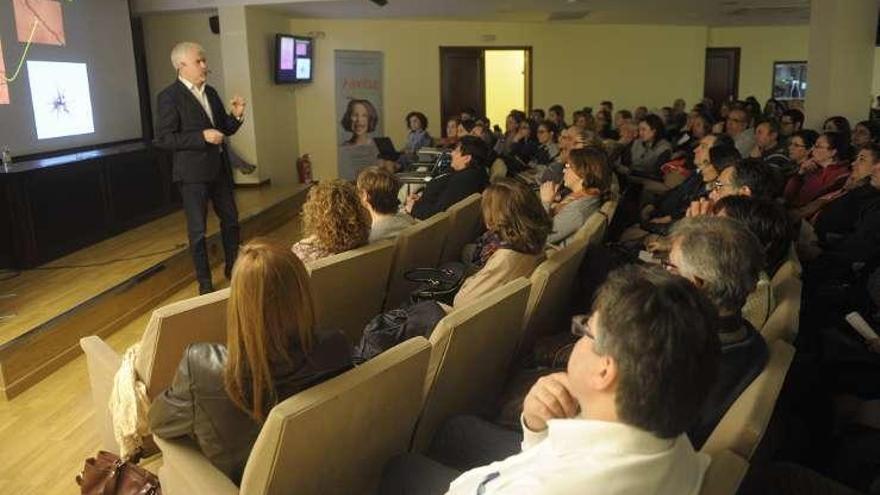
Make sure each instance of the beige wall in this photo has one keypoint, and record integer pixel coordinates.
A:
(163, 31)
(760, 47)
(575, 65)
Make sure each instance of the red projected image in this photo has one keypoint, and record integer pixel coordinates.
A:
(39, 21)
(4, 86)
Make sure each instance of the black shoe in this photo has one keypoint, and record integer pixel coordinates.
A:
(205, 288)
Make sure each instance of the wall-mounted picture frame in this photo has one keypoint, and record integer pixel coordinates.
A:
(789, 80)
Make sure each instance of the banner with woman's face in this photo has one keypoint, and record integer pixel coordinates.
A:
(358, 107)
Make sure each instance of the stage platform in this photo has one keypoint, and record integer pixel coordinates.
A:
(96, 290)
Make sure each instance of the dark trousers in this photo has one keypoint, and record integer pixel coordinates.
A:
(195, 205)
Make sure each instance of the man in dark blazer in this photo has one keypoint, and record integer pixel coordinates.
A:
(192, 124)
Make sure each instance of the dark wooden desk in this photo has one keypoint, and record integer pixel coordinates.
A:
(53, 206)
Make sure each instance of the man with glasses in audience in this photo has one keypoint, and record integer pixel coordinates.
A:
(750, 177)
(738, 128)
(614, 421)
(724, 260)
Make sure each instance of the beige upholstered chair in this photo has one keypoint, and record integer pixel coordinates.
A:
(332, 438)
(552, 283)
(465, 224)
(784, 321)
(418, 246)
(471, 351)
(742, 427)
(171, 329)
(349, 288)
(724, 474)
(609, 208)
(593, 230)
(497, 170)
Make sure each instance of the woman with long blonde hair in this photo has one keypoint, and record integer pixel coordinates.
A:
(221, 394)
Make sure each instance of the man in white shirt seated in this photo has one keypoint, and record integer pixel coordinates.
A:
(614, 422)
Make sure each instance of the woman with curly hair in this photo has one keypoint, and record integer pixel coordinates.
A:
(517, 229)
(334, 221)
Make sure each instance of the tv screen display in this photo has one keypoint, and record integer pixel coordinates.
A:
(293, 59)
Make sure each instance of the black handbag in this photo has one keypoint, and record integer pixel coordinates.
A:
(436, 284)
(393, 327)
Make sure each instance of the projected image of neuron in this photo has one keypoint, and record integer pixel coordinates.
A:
(59, 104)
(61, 100)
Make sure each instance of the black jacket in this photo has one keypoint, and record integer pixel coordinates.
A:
(179, 129)
(744, 355)
(197, 405)
(446, 190)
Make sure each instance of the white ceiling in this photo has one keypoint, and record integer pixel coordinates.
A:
(679, 12)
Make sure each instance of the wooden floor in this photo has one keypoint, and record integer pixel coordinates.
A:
(48, 431)
(36, 296)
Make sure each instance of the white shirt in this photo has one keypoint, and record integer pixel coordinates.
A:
(201, 97)
(581, 457)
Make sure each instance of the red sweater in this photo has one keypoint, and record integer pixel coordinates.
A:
(801, 189)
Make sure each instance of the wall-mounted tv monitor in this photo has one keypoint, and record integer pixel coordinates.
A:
(294, 61)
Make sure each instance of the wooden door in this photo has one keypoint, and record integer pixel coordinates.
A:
(722, 74)
(462, 81)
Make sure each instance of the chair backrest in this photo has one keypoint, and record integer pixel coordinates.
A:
(465, 222)
(471, 350)
(609, 208)
(171, 329)
(552, 285)
(743, 425)
(497, 170)
(724, 474)
(418, 246)
(349, 288)
(337, 436)
(593, 230)
(784, 321)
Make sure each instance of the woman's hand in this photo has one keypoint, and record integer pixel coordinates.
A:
(411, 201)
(548, 192)
(807, 166)
(700, 208)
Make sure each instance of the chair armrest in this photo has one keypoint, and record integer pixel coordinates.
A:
(185, 470)
(102, 362)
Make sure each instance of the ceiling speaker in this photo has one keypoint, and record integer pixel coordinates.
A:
(214, 22)
(380, 3)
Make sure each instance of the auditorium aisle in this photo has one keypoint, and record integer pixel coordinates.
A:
(47, 432)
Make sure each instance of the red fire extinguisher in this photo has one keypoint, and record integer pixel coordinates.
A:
(304, 169)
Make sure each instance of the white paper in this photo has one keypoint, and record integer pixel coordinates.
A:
(61, 99)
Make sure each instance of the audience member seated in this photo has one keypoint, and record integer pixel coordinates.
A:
(841, 216)
(556, 114)
(825, 172)
(334, 221)
(513, 245)
(221, 394)
(603, 126)
(548, 147)
(614, 421)
(588, 177)
(768, 148)
(378, 189)
(792, 121)
(800, 144)
(860, 245)
(724, 260)
(839, 125)
(417, 137)
(622, 117)
(537, 114)
(514, 132)
(714, 154)
(452, 136)
(773, 109)
(468, 176)
(737, 127)
(749, 177)
(650, 150)
(865, 133)
(767, 220)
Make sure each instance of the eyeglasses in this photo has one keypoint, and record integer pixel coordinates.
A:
(718, 185)
(580, 327)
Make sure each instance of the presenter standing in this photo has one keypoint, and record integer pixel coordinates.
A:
(192, 124)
